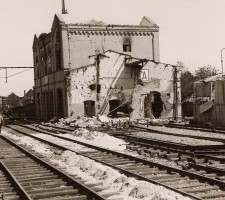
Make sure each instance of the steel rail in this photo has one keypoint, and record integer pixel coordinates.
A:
(188, 136)
(75, 182)
(160, 166)
(22, 192)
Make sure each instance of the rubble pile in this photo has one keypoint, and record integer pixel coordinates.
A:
(100, 122)
(97, 138)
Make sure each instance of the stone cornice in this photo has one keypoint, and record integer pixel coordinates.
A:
(113, 33)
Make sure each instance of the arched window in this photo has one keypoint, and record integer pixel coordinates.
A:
(49, 57)
(127, 45)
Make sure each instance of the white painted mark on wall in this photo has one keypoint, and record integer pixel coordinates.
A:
(144, 75)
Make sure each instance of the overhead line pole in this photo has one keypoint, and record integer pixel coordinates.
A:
(6, 74)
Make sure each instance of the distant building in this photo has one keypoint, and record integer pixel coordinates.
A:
(91, 68)
(2, 104)
(12, 100)
(21, 107)
(209, 100)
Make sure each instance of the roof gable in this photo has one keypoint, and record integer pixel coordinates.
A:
(57, 21)
(146, 21)
(34, 41)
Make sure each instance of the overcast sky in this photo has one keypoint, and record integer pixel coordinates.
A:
(191, 31)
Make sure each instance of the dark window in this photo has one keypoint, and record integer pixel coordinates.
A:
(126, 47)
(36, 60)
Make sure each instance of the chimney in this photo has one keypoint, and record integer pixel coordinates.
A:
(24, 92)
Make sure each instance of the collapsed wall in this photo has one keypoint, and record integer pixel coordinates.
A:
(113, 79)
(160, 84)
(101, 87)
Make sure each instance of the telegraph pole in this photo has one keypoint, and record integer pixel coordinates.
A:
(6, 72)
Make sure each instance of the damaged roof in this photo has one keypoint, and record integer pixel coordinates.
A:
(66, 19)
(213, 78)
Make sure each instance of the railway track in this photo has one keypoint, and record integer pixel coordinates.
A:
(24, 176)
(157, 148)
(196, 128)
(197, 182)
(147, 129)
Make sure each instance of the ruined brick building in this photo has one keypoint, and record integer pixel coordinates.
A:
(92, 68)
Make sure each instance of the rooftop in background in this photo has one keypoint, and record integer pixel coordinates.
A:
(213, 78)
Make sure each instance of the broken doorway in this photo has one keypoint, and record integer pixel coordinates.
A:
(153, 105)
(89, 108)
(113, 107)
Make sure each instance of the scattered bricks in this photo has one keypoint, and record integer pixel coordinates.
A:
(140, 151)
(162, 153)
(133, 147)
(199, 161)
(153, 152)
(196, 160)
(183, 157)
(173, 159)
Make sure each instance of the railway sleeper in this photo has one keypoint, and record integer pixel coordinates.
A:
(217, 194)
(49, 194)
(165, 176)
(172, 179)
(19, 161)
(5, 183)
(7, 194)
(149, 170)
(121, 163)
(27, 170)
(41, 183)
(35, 175)
(200, 189)
(187, 186)
(18, 173)
(113, 159)
(6, 189)
(52, 190)
(102, 157)
(78, 197)
(38, 178)
(38, 187)
(3, 178)
(136, 166)
(13, 198)
(23, 167)
(20, 165)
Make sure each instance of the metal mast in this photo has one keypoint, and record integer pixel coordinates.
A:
(64, 11)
